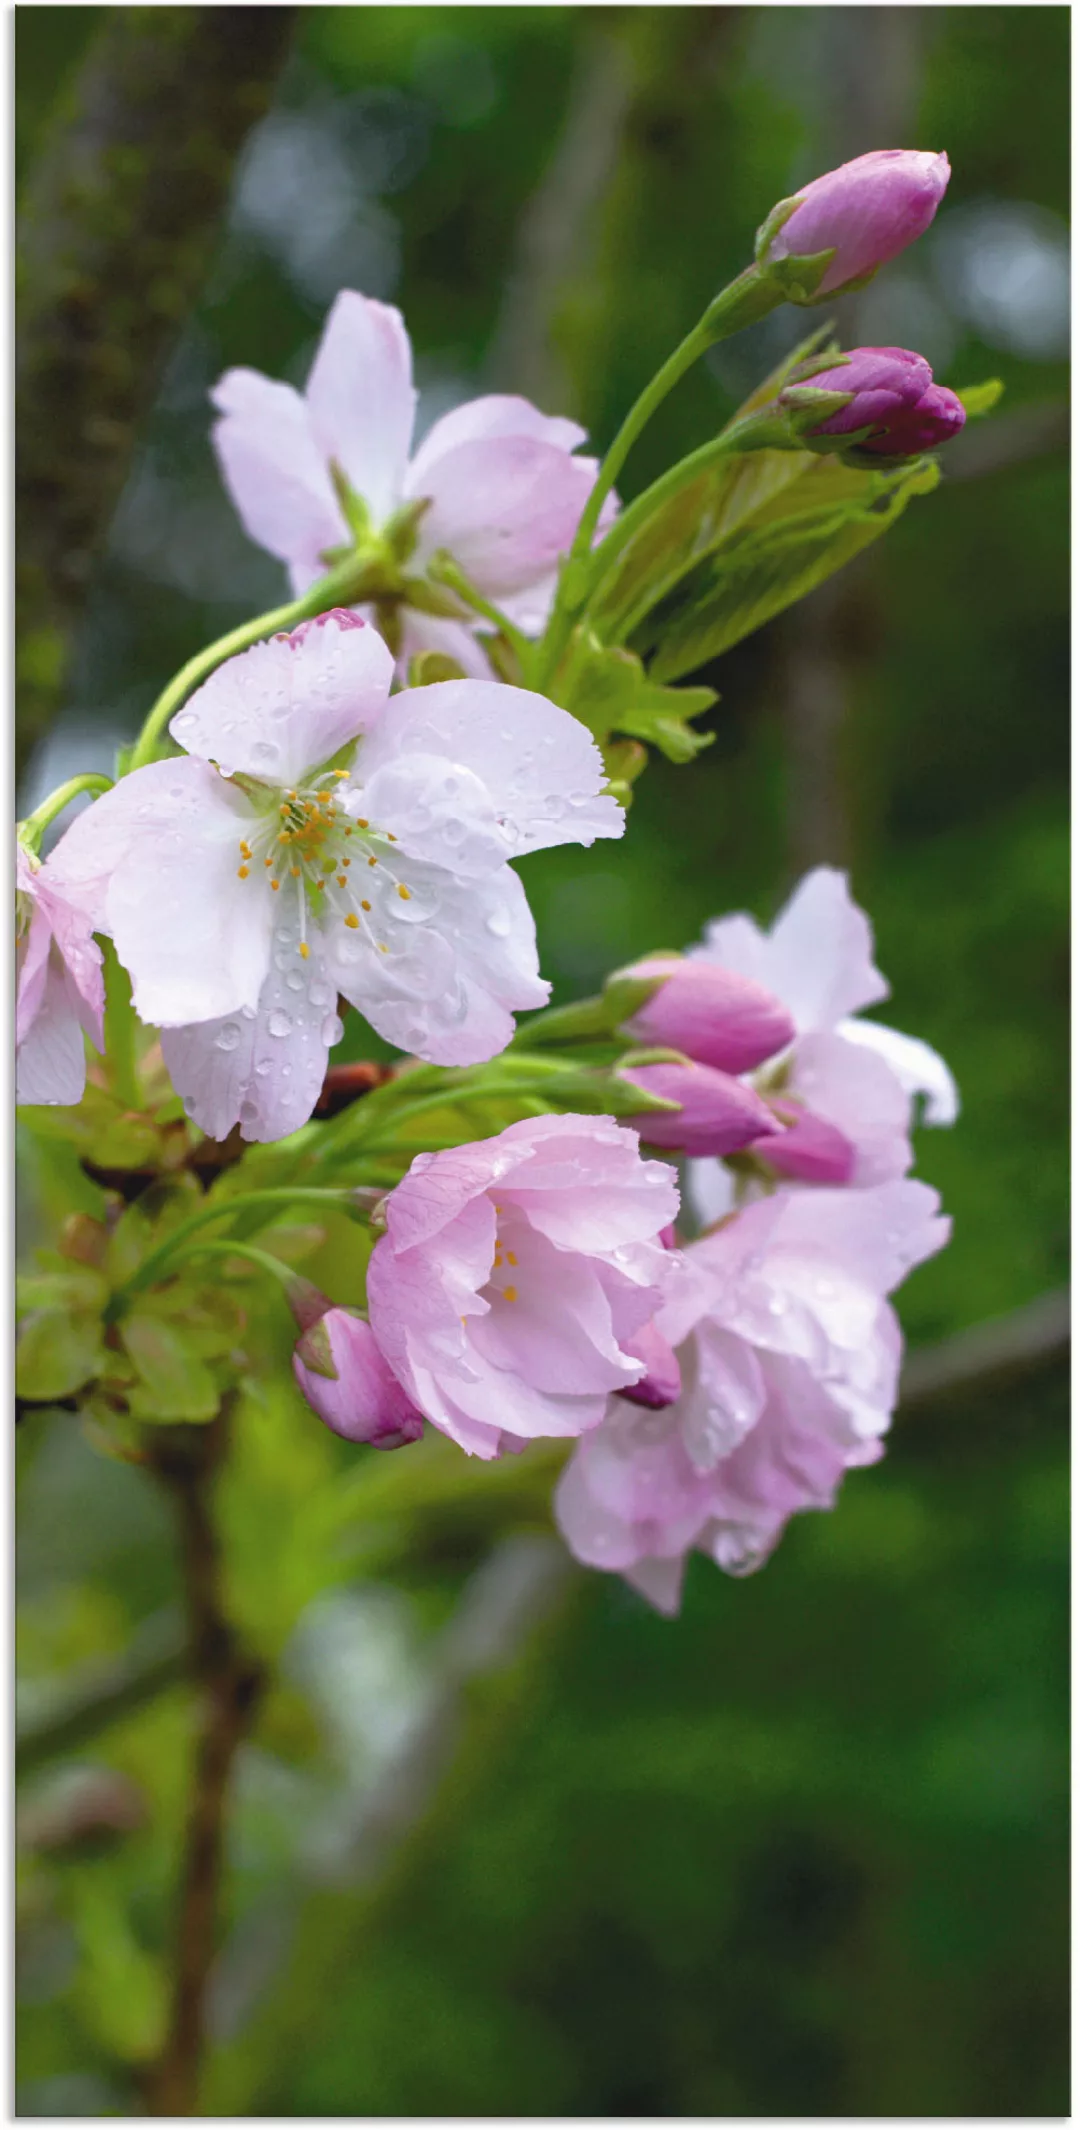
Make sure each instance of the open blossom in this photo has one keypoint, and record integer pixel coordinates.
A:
(789, 1359)
(246, 885)
(60, 989)
(866, 212)
(514, 1275)
(856, 1077)
(503, 491)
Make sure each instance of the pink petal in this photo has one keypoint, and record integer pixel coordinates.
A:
(506, 509)
(51, 1060)
(361, 400)
(481, 420)
(918, 1068)
(281, 709)
(275, 471)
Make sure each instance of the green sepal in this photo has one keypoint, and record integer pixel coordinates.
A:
(428, 667)
(57, 1351)
(352, 506)
(314, 1351)
(977, 400)
(431, 598)
(799, 278)
(402, 531)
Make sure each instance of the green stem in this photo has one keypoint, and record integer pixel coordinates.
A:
(284, 1274)
(746, 300)
(153, 1266)
(33, 828)
(444, 570)
(585, 1019)
(339, 587)
(121, 1031)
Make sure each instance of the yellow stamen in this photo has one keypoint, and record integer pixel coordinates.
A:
(304, 949)
(383, 948)
(242, 872)
(404, 892)
(352, 920)
(510, 1294)
(373, 861)
(360, 823)
(390, 838)
(363, 906)
(341, 880)
(275, 884)
(510, 1258)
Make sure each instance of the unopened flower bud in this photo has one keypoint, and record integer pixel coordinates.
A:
(809, 1149)
(893, 397)
(864, 214)
(345, 1379)
(716, 1115)
(709, 1013)
(662, 1382)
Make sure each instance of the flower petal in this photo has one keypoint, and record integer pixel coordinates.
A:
(51, 1059)
(281, 709)
(361, 400)
(918, 1067)
(498, 414)
(261, 1070)
(154, 864)
(274, 470)
(818, 958)
(506, 508)
(540, 766)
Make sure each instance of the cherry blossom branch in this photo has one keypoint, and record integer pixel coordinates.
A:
(229, 1682)
(154, 1266)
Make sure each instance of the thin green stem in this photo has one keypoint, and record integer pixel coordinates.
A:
(283, 1274)
(33, 828)
(154, 1266)
(121, 1031)
(445, 571)
(745, 300)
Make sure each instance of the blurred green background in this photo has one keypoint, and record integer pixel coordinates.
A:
(804, 1851)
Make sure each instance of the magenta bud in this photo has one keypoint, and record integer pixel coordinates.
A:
(662, 1382)
(708, 1013)
(865, 212)
(809, 1149)
(893, 394)
(717, 1114)
(363, 1400)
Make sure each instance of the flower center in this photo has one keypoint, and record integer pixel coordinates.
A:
(311, 846)
(503, 1269)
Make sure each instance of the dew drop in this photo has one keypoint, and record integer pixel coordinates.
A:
(498, 924)
(331, 1030)
(185, 721)
(262, 1068)
(266, 754)
(249, 1112)
(228, 1037)
(321, 994)
(294, 981)
(279, 1024)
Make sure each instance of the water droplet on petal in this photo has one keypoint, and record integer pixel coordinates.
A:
(265, 754)
(262, 1068)
(279, 1024)
(331, 1030)
(498, 924)
(294, 981)
(228, 1037)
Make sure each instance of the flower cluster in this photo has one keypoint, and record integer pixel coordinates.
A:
(323, 812)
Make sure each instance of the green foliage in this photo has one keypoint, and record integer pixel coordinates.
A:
(608, 690)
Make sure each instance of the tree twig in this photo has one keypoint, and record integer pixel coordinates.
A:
(229, 1682)
(991, 1357)
(116, 231)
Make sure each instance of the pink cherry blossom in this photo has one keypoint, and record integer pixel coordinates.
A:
(363, 1401)
(514, 1274)
(502, 488)
(717, 1113)
(246, 884)
(789, 1357)
(60, 989)
(714, 1015)
(856, 1076)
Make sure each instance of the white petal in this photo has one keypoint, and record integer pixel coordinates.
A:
(660, 1582)
(274, 470)
(261, 1070)
(284, 707)
(438, 811)
(540, 766)
(361, 399)
(498, 414)
(50, 1063)
(919, 1069)
(821, 953)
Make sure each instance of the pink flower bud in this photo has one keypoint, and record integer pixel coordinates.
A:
(717, 1114)
(709, 1013)
(361, 1398)
(810, 1149)
(866, 212)
(892, 393)
(662, 1382)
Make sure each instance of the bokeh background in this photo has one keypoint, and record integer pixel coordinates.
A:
(505, 1842)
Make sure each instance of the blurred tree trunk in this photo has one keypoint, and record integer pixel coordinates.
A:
(115, 234)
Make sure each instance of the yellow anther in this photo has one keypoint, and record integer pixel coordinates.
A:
(360, 823)
(304, 950)
(275, 884)
(242, 872)
(373, 861)
(346, 862)
(383, 948)
(348, 831)
(510, 1258)
(404, 892)
(295, 871)
(353, 921)
(510, 1294)
(268, 861)
(284, 836)
(325, 798)
(390, 838)
(245, 850)
(364, 906)
(341, 880)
